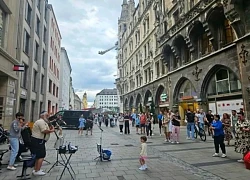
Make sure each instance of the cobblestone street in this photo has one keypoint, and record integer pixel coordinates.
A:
(188, 160)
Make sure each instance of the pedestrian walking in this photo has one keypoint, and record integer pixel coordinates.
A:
(89, 126)
(176, 128)
(15, 135)
(106, 119)
(82, 122)
(100, 120)
(126, 123)
(137, 123)
(143, 119)
(160, 118)
(149, 123)
(165, 126)
(190, 124)
(218, 130)
(143, 153)
(121, 122)
(226, 122)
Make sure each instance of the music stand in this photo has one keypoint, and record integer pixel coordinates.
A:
(59, 142)
(99, 148)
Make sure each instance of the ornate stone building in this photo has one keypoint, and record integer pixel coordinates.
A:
(190, 53)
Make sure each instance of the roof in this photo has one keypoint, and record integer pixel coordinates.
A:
(108, 92)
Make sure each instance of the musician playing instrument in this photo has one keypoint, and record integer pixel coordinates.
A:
(40, 135)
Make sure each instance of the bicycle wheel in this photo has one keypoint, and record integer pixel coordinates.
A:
(195, 133)
(203, 135)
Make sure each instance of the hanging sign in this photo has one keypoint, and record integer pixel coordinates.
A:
(18, 68)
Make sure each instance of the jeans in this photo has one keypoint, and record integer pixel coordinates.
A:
(14, 144)
(149, 129)
(127, 131)
(219, 141)
(201, 125)
(190, 126)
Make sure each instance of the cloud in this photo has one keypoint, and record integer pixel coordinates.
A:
(89, 26)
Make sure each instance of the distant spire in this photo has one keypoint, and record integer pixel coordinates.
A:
(125, 2)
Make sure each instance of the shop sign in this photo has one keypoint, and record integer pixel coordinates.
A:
(163, 97)
(187, 97)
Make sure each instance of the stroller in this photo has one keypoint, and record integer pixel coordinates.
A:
(3, 135)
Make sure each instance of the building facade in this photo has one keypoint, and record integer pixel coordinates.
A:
(53, 65)
(9, 16)
(64, 88)
(198, 58)
(107, 99)
(32, 50)
(77, 102)
(71, 95)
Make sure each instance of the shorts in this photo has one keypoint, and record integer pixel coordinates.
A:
(38, 147)
(142, 125)
(143, 157)
(137, 126)
(165, 128)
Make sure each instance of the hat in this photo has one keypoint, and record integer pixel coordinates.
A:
(43, 112)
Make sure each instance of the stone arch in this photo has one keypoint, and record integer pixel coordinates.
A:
(183, 82)
(199, 40)
(234, 80)
(138, 100)
(221, 31)
(131, 103)
(168, 57)
(159, 91)
(146, 96)
(181, 50)
(126, 107)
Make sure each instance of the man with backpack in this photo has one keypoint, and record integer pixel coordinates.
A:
(190, 124)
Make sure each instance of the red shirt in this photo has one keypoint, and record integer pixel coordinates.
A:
(143, 119)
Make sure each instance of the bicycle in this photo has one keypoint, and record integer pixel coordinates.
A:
(199, 131)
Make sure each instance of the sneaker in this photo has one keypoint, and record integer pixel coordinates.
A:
(145, 166)
(223, 155)
(12, 168)
(177, 142)
(15, 165)
(215, 155)
(188, 138)
(35, 171)
(172, 142)
(142, 168)
(120, 133)
(240, 160)
(166, 140)
(39, 173)
(153, 134)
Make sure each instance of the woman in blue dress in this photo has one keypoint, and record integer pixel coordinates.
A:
(82, 122)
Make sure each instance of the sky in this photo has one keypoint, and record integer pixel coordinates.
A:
(89, 26)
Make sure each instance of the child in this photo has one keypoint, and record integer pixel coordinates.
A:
(143, 154)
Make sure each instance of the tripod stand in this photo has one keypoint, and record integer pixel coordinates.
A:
(99, 148)
(59, 142)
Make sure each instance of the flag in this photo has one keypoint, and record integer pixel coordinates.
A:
(18, 68)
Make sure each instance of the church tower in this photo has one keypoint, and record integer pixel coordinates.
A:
(85, 101)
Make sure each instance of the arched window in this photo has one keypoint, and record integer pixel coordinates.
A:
(187, 89)
(220, 28)
(223, 82)
(169, 58)
(182, 50)
(199, 40)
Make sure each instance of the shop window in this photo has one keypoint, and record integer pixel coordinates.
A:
(223, 82)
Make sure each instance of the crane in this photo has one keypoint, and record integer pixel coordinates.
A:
(104, 52)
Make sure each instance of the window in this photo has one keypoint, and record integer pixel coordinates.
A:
(42, 84)
(176, 16)
(26, 42)
(34, 81)
(36, 52)
(224, 81)
(229, 34)
(206, 46)
(32, 111)
(45, 11)
(50, 86)
(2, 24)
(1, 107)
(44, 35)
(24, 77)
(54, 89)
(43, 59)
(28, 12)
(41, 106)
(37, 25)
(157, 67)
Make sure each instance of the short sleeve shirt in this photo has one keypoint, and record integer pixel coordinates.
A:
(38, 127)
